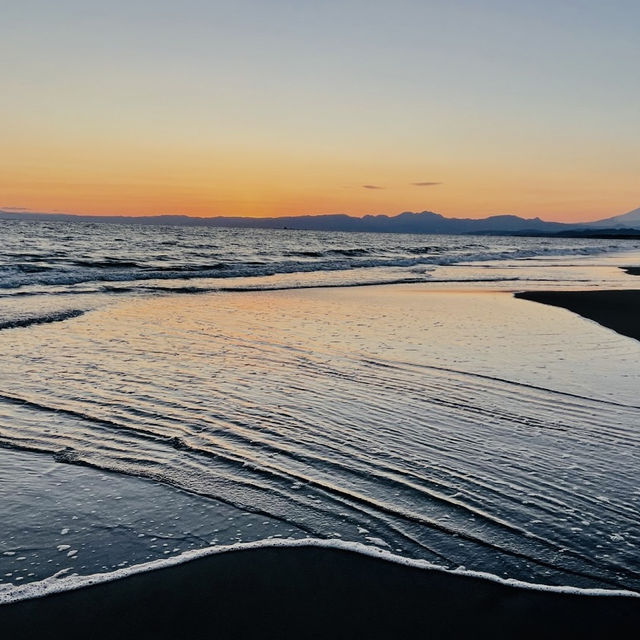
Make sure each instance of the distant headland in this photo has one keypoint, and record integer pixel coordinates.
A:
(627, 225)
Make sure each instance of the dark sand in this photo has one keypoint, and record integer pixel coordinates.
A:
(307, 592)
(617, 310)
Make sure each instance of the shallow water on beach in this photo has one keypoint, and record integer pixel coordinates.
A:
(459, 428)
(463, 427)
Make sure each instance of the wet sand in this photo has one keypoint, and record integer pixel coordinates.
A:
(308, 592)
(615, 309)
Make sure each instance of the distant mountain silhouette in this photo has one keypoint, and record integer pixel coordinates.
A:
(407, 222)
(629, 220)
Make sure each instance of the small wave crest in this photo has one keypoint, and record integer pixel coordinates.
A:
(111, 263)
(57, 269)
(61, 581)
(56, 316)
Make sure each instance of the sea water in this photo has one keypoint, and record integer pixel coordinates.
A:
(168, 389)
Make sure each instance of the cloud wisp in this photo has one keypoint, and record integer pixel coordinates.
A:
(413, 184)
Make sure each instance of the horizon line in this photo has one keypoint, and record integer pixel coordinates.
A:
(24, 212)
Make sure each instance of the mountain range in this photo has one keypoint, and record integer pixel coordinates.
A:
(407, 222)
(629, 220)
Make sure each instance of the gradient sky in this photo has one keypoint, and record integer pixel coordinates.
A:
(278, 107)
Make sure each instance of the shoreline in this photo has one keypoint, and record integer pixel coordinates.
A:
(312, 592)
(617, 310)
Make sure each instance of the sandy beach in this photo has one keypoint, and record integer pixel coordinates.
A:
(617, 310)
(313, 593)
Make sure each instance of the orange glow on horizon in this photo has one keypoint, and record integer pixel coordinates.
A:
(151, 197)
(117, 177)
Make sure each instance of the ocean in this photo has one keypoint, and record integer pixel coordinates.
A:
(166, 391)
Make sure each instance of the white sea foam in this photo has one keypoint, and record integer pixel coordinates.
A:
(61, 582)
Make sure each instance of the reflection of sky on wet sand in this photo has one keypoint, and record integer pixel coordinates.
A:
(82, 520)
(398, 413)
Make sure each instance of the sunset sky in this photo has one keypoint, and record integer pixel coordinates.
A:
(277, 107)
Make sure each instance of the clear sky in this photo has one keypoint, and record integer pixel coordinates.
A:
(277, 107)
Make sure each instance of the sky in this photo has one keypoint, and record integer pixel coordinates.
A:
(277, 107)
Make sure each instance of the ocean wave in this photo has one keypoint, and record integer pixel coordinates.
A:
(304, 254)
(111, 263)
(349, 252)
(59, 269)
(195, 268)
(61, 582)
(56, 316)
(26, 267)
